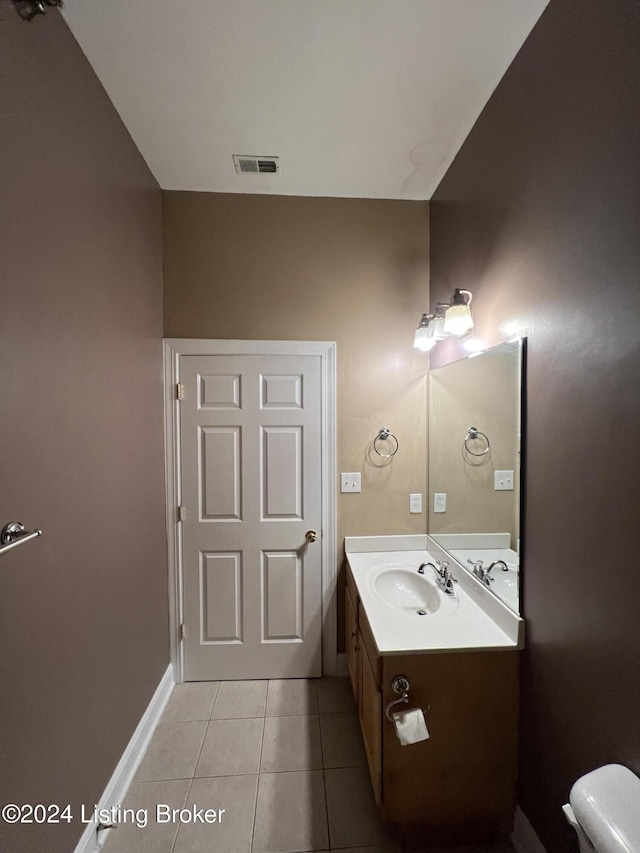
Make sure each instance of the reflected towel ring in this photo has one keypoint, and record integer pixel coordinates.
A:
(474, 434)
(385, 435)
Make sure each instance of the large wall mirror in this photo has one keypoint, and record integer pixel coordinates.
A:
(475, 426)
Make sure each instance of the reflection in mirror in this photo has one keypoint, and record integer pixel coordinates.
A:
(474, 465)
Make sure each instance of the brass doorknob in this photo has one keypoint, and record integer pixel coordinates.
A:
(311, 535)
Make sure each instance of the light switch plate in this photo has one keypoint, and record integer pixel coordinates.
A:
(415, 503)
(503, 481)
(439, 502)
(351, 482)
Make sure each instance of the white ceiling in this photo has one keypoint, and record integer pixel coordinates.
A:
(359, 98)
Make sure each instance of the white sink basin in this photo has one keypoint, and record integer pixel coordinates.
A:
(404, 589)
(394, 596)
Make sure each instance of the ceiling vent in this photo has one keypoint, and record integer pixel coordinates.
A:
(247, 164)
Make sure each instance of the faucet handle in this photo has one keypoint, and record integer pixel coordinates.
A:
(442, 565)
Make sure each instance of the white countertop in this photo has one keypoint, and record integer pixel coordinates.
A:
(474, 621)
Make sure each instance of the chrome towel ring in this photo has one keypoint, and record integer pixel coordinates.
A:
(385, 435)
(474, 434)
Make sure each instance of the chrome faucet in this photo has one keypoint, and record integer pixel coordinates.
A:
(444, 578)
(505, 567)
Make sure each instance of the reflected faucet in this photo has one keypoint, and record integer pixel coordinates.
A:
(480, 572)
(505, 567)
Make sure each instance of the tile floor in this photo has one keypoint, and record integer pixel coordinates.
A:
(284, 759)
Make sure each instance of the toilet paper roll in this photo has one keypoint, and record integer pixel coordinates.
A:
(410, 726)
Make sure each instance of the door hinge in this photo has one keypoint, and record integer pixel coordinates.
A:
(182, 513)
(179, 391)
(181, 633)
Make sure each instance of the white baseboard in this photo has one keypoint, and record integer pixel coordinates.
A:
(119, 783)
(524, 837)
(341, 664)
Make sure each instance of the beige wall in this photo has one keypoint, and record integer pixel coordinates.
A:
(350, 270)
(483, 392)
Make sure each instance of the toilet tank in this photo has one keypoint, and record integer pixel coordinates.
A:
(606, 804)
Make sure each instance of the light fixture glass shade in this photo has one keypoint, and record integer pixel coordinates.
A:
(439, 332)
(424, 339)
(457, 319)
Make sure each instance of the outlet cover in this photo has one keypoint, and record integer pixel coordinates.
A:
(440, 502)
(415, 503)
(503, 481)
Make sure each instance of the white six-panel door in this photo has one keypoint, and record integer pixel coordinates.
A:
(251, 488)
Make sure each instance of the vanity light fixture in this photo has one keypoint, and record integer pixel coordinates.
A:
(449, 319)
(458, 320)
(431, 329)
(424, 339)
(439, 332)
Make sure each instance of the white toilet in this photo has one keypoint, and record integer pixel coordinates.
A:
(604, 809)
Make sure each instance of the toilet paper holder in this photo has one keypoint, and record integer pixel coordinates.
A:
(401, 686)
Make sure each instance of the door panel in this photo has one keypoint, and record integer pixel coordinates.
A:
(281, 472)
(250, 460)
(221, 597)
(219, 391)
(220, 473)
(282, 595)
(281, 392)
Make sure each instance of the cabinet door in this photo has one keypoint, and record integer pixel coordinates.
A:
(371, 723)
(353, 651)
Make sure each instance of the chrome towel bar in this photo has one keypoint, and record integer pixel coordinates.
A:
(14, 534)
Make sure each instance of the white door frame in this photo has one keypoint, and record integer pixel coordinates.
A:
(173, 349)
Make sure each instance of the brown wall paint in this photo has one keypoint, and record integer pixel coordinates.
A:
(539, 215)
(83, 610)
(350, 270)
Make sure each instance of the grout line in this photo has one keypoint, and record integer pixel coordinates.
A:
(326, 805)
(281, 772)
(166, 779)
(324, 773)
(175, 836)
(213, 704)
(255, 804)
(256, 715)
(322, 746)
(299, 714)
(195, 767)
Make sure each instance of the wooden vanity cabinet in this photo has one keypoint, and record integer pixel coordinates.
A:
(457, 787)
(351, 641)
(366, 684)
